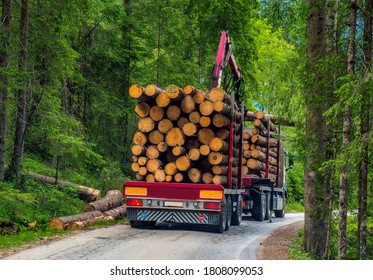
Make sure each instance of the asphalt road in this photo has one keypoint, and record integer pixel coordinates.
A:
(164, 242)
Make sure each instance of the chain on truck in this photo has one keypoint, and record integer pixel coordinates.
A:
(218, 206)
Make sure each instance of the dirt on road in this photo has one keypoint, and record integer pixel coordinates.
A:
(275, 247)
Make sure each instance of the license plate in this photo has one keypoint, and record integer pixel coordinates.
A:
(173, 203)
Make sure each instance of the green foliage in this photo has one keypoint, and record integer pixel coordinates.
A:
(37, 203)
(296, 250)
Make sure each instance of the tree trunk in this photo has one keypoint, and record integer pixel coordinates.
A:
(85, 193)
(61, 223)
(316, 207)
(364, 130)
(6, 19)
(21, 121)
(343, 180)
(112, 199)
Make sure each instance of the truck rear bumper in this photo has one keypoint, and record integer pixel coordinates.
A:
(192, 217)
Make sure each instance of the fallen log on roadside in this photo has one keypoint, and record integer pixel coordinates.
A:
(62, 223)
(84, 193)
(112, 199)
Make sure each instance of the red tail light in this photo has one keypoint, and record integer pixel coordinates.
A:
(134, 202)
(212, 205)
(244, 203)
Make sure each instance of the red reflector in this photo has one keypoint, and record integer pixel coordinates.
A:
(201, 217)
(212, 205)
(244, 203)
(133, 202)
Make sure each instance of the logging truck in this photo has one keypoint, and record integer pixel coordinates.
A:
(194, 159)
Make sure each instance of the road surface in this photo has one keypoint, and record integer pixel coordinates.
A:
(164, 242)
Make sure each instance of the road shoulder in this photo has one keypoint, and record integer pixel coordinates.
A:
(275, 247)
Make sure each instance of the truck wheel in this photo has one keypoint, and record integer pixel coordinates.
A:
(260, 207)
(219, 228)
(268, 209)
(142, 224)
(229, 212)
(281, 213)
(237, 215)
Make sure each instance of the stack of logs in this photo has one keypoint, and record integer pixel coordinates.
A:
(256, 142)
(183, 134)
(108, 208)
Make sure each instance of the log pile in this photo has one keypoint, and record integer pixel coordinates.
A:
(183, 134)
(106, 209)
(260, 144)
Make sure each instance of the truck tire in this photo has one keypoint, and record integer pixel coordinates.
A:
(281, 213)
(268, 209)
(219, 228)
(229, 212)
(259, 207)
(142, 224)
(237, 215)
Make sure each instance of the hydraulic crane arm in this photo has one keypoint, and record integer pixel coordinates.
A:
(224, 57)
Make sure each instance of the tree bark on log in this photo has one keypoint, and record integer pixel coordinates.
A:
(85, 193)
(112, 199)
(62, 222)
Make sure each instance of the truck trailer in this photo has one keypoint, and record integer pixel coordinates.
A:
(230, 187)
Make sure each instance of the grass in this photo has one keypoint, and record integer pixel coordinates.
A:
(27, 237)
(294, 207)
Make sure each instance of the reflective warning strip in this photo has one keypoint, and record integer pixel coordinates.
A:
(170, 216)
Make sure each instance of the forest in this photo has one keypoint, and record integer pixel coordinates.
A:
(66, 67)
